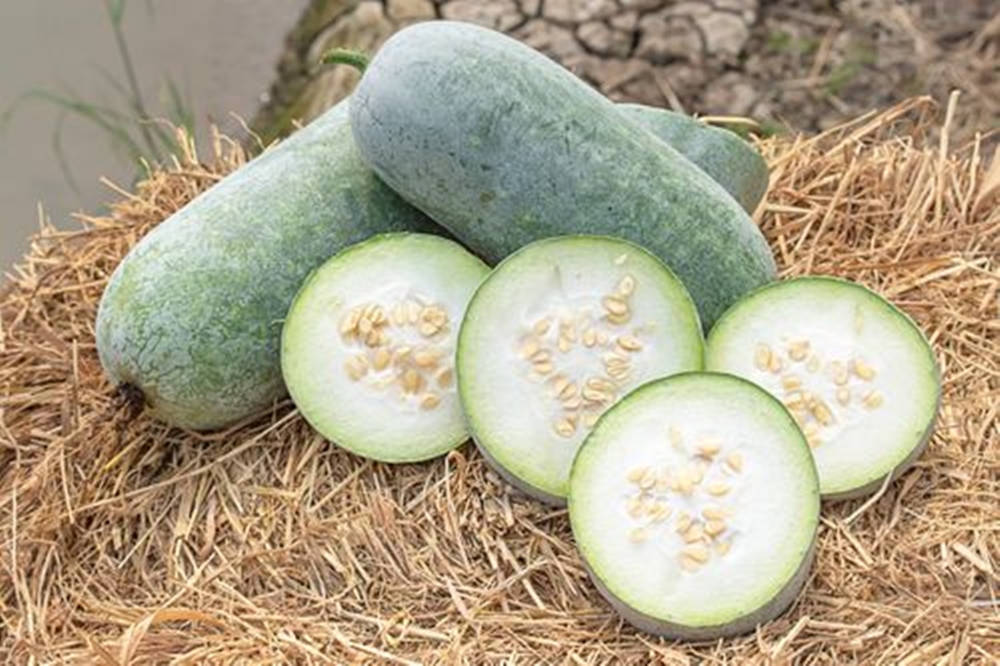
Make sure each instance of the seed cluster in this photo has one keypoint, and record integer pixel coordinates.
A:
(850, 381)
(700, 484)
(583, 399)
(421, 370)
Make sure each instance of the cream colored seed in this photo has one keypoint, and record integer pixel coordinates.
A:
(569, 391)
(565, 428)
(718, 489)
(810, 429)
(350, 321)
(602, 338)
(822, 413)
(714, 528)
(381, 360)
(412, 381)
(427, 329)
(798, 350)
(873, 399)
(635, 507)
(412, 312)
(648, 480)
(354, 371)
(572, 403)
(593, 395)
(542, 368)
(626, 286)
(564, 345)
(629, 343)
(590, 420)
(695, 474)
(775, 365)
(426, 358)
(791, 383)
(600, 384)
(445, 377)
(723, 547)
(694, 533)
(611, 358)
(683, 521)
(569, 330)
(541, 355)
(839, 372)
(559, 382)
(688, 564)
(542, 326)
(709, 447)
(621, 259)
(635, 474)
(364, 326)
(589, 337)
(615, 306)
(813, 364)
(863, 370)
(813, 442)
(735, 461)
(430, 401)
(697, 553)
(796, 401)
(713, 513)
(620, 374)
(659, 511)
(843, 395)
(637, 535)
(676, 439)
(399, 314)
(400, 354)
(529, 348)
(762, 357)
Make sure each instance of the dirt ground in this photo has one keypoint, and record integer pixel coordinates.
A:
(790, 64)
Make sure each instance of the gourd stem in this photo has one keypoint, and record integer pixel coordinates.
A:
(355, 59)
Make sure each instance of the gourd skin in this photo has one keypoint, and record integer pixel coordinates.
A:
(192, 316)
(502, 146)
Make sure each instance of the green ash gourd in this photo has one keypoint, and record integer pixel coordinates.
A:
(192, 316)
(503, 146)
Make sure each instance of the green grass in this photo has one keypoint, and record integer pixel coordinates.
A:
(133, 132)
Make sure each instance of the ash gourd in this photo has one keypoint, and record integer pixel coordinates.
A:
(503, 146)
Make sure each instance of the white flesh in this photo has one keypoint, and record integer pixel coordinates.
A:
(878, 423)
(373, 415)
(742, 455)
(513, 411)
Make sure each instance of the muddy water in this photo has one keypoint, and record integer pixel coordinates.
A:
(221, 53)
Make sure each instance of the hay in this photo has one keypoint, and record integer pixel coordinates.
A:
(124, 540)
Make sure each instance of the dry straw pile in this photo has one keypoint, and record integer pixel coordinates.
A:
(124, 541)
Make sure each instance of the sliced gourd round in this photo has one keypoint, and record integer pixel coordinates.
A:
(856, 372)
(368, 346)
(558, 332)
(695, 503)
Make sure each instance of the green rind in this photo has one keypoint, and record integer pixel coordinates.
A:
(311, 406)
(723, 155)
(876, 478)
(513, 470)
(503, 146)
(192, 315)
(786, 592)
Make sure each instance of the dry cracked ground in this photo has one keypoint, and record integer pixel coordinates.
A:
(802, 65)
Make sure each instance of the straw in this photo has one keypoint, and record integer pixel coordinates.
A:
(125, 541)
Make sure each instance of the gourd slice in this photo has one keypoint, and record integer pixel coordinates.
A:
(367, 349)
(558, 332)
(855, 371)
(695, 503)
